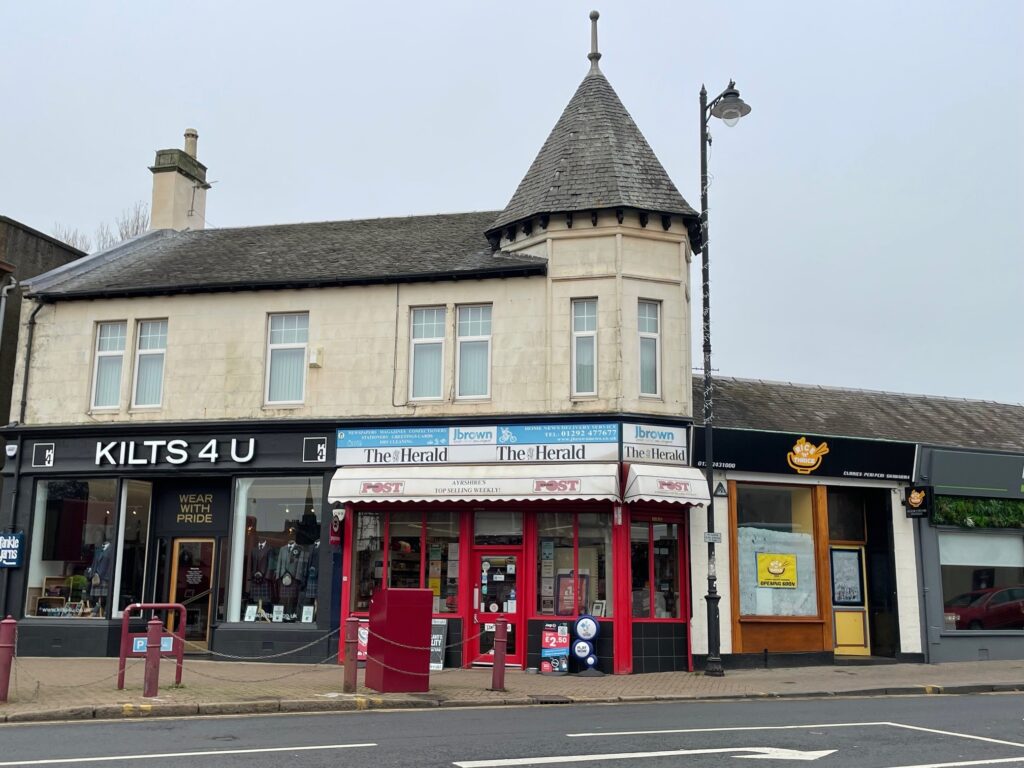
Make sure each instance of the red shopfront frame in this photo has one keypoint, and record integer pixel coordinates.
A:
(651, 514)
(527, 553)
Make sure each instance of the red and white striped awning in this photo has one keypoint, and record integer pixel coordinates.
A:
(511, 482)
(676, 485)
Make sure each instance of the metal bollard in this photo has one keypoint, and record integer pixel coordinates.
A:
(151, 677)
(7, 636)
(500, 646)
(351, 661)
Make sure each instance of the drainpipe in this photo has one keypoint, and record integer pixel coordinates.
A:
(3, 303)
(28, 362)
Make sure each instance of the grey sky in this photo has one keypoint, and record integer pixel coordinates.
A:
(866, 219)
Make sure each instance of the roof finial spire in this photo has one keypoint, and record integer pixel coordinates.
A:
(594, 54)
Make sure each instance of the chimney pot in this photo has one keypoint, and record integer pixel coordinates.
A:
(191, 140)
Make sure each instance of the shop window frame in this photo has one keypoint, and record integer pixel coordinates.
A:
(679, 519)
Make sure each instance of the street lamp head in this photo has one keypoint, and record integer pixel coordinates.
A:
(730, 108)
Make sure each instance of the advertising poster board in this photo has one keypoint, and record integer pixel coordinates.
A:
(776, 570)
(554, 649)
(438, 640)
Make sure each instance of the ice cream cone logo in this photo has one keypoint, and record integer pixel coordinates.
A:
(806, 457)
(915, 498)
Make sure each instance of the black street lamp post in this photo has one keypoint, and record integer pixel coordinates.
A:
(729, 107)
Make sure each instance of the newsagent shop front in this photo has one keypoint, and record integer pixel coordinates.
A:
(230, 524)
(821, 556)
(539, 523)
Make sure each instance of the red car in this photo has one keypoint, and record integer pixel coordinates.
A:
(994, 608)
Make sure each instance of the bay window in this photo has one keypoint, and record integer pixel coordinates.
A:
(649, 327)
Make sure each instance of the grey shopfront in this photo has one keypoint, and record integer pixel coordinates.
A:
(972, 554)
(230, 520)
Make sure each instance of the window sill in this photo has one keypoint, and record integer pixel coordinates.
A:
(786, 619)
(471, 400)
(653, 398)
(282, 406)
(145, 408)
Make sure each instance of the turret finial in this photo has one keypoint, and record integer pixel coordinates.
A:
(594, 54)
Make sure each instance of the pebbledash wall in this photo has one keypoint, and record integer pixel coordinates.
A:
(819, 557)
(971, 528)
(271, 533)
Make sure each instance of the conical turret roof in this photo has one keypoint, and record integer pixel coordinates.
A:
(595, 157)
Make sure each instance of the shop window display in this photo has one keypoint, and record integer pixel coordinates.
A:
(567, 541)
(422, 553)
(775, 547)
(281, 548)
(73, 554)
(138, 499)
(982, 580)
(654, 561)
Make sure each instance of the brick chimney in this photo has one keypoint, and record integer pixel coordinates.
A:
(179, 187)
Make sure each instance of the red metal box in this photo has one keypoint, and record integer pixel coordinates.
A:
(398, 649)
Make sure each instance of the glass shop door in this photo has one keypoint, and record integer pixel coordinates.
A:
(495, 594)
(191, 585)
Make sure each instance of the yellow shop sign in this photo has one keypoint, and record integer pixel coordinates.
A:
(776, 571)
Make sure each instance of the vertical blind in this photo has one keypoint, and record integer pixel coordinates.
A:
(288, 337)
(150, 375)
(110, 341)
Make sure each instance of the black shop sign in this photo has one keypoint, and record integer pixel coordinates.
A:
(807, 455)
(196, 507)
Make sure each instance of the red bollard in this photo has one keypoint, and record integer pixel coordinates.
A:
(500, 646)
(351, 661)
(151, 677)
(7, 635)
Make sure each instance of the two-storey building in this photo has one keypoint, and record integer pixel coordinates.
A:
(270, 423)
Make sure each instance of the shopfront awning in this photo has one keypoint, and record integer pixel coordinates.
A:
(676, 485)
(512, 482)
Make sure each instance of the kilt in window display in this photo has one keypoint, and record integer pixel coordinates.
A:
(262, 565)
(291, 570)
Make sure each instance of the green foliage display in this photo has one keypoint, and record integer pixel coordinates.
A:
(978, 513)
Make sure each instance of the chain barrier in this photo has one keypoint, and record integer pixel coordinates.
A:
(397, 644)
(232, 656)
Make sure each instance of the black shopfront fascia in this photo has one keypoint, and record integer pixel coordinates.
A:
(191, 460)
(776, 453)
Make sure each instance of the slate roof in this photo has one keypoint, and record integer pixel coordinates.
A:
(595, 157)
(802, 408)
(445, 246)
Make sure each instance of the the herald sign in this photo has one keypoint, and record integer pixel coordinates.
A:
(369, 487)
(556, 485)
(673, 486)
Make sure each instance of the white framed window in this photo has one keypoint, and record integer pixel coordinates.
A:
(150, 349)
(584, 347)
(106, 380)
(649, 327)
(473, 352)
(287, 337)
(427, 353)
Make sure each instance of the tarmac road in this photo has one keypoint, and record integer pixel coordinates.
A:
(885, 732)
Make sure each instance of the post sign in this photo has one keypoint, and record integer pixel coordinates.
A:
(11, 547)
(139, 644)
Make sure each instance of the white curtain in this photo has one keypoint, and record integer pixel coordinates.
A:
(287, 367)
(108, 381)
(585, 364)
(648, 366)
(473, 368)
(148, 389)
(426, 370)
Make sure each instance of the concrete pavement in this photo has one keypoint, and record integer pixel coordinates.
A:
(47, 689)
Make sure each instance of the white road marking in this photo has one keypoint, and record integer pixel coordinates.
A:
(724, 730)
(993, 761)
(208, 753)
(961, 735)
(760, 753)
